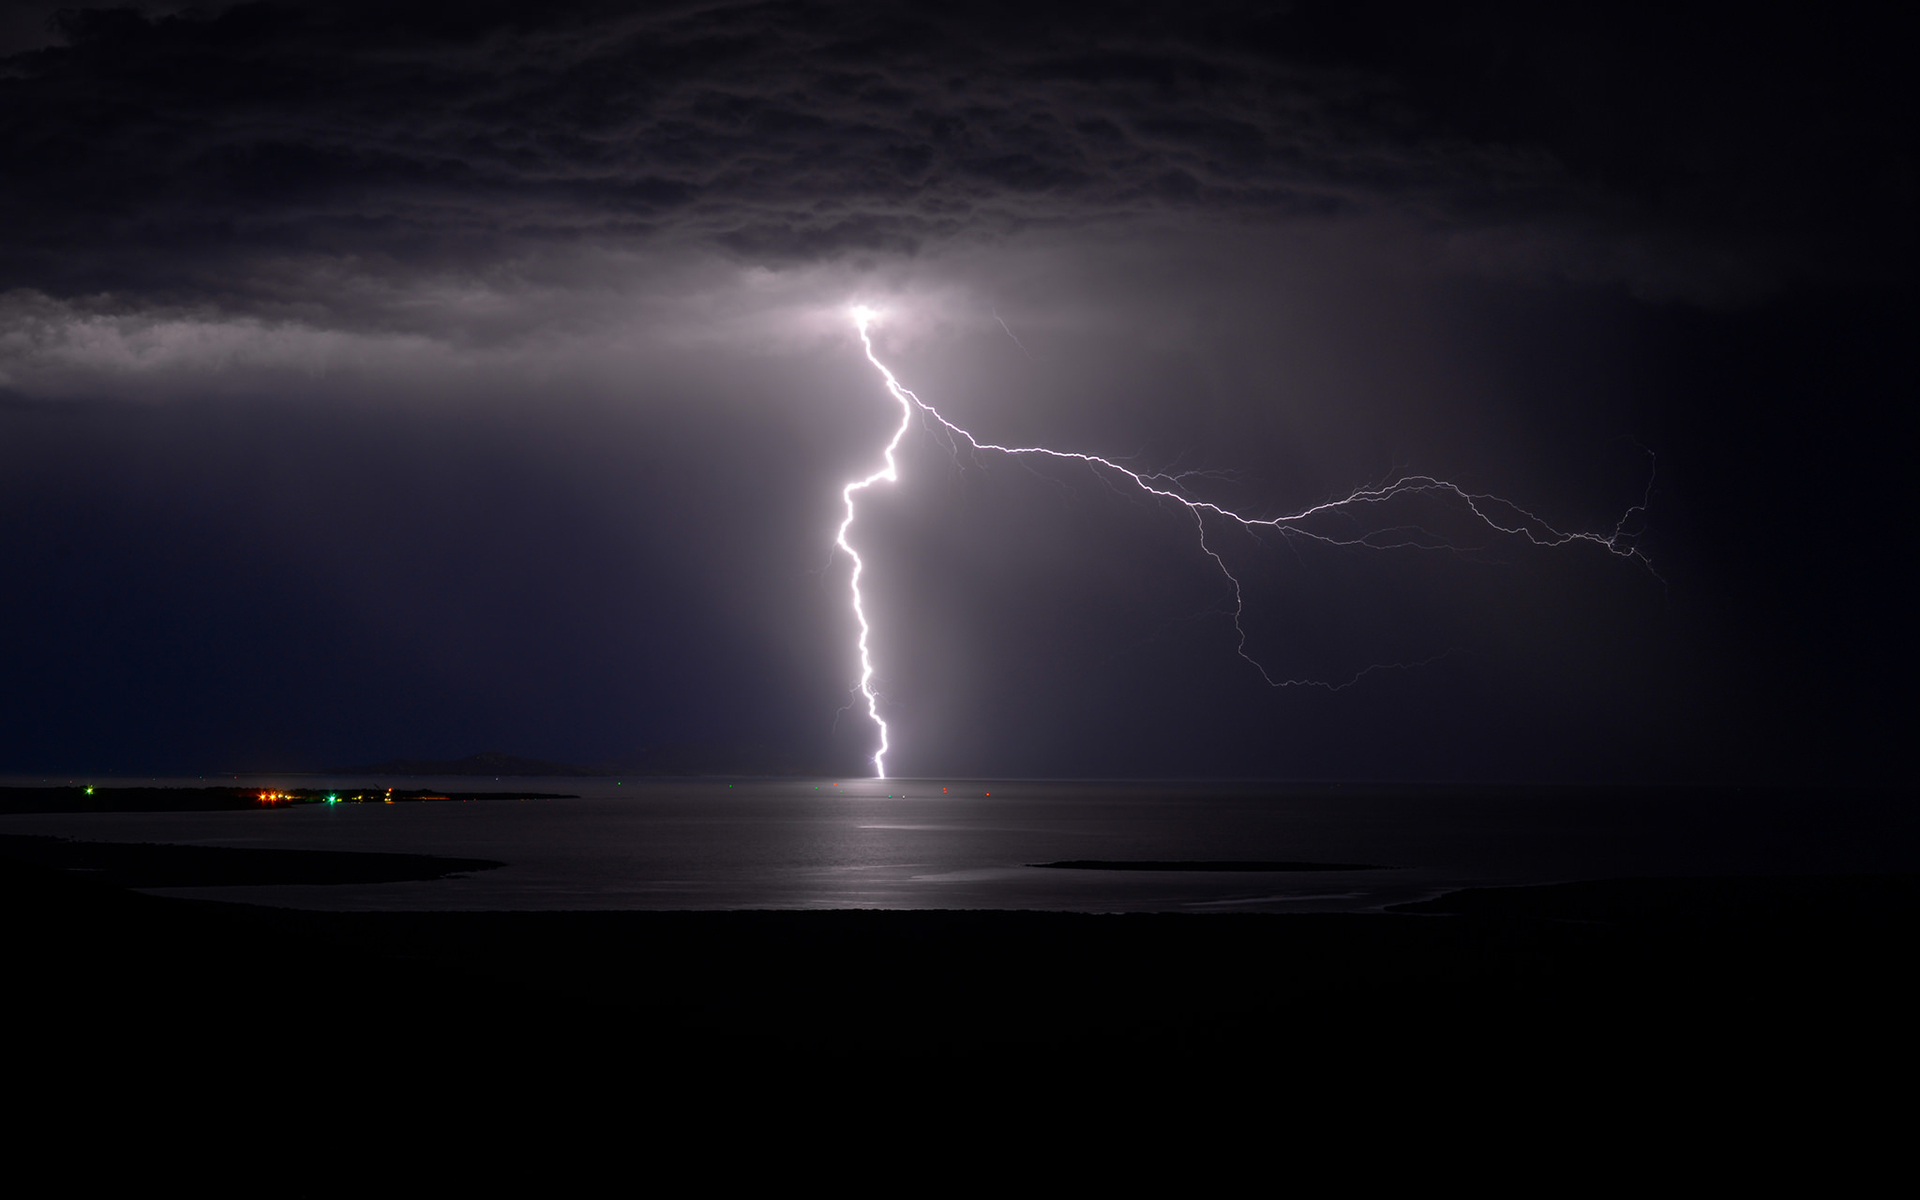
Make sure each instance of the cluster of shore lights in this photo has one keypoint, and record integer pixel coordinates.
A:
(330, 797)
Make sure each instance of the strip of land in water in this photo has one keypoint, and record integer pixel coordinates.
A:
(156, 865)
(82, 799)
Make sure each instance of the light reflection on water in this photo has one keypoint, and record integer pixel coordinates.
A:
(907, 844)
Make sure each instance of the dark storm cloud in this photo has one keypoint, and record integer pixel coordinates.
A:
(148, 148)
(254, 156)
(510, 385)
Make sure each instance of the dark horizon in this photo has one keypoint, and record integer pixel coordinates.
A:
(381, 382)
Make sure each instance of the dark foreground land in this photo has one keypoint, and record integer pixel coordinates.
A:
(1675, 1005)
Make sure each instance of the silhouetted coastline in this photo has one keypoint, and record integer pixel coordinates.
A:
(680, 760)
(485, 763)
(83, 799)
(157, 865)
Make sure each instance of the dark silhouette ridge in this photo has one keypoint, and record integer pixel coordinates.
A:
(134, 799)
(486, 763)
(708, 759)
(1148, 864)
(684, 759)
(224, 799)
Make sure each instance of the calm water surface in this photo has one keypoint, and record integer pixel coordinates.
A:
(968, 844)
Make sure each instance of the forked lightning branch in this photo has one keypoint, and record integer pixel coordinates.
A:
(1492, 513)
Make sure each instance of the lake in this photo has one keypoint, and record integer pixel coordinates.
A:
(924, 844)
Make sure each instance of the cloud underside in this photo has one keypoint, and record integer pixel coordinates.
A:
(742, 128)
(229, 158)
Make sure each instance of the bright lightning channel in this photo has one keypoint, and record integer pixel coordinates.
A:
(1537, 531)
(862, 318)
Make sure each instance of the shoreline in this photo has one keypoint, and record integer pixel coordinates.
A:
(1689, 934)
(1553, 1005)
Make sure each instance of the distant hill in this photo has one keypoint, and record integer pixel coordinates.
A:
(490, 763)
(694, 759)
(680, 759)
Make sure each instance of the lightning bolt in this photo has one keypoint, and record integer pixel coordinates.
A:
(889, 471)
(1491, 512)
(1010, 333)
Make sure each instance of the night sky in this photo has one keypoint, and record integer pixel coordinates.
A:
(396, 379)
